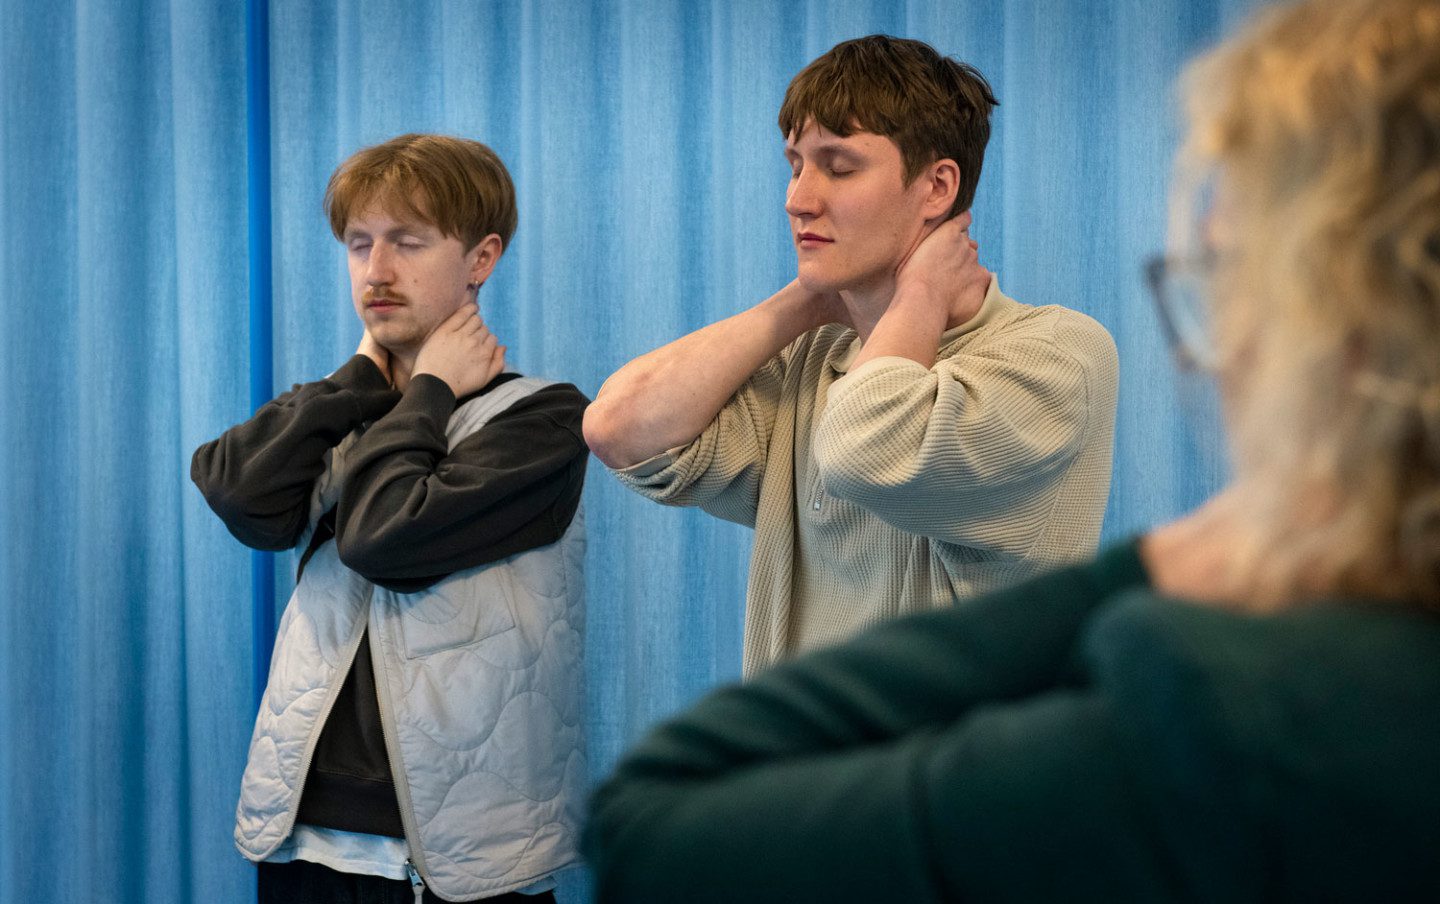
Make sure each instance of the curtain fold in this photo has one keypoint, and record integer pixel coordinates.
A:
(641, 135)
(125, 702)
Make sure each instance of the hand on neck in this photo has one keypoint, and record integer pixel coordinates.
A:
(866, 306)
(940, 280)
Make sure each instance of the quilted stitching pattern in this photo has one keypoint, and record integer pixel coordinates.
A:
(483, 677)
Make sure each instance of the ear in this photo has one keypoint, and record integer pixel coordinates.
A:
(483, 257)
(941, 180)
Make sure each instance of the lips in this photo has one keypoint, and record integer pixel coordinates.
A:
(376, 302)
(382, 308)
(812, 240)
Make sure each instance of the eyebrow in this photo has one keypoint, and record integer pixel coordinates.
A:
(419, 230)
(829, 150)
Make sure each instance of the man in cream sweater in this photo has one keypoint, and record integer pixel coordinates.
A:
(899, 433)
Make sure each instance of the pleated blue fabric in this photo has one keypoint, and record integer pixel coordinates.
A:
(641, 135)
(124, 677)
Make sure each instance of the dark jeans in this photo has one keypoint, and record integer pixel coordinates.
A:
(303, 882)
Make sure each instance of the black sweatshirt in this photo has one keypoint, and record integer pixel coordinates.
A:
(409, 514)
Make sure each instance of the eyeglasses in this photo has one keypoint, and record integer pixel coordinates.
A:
(1181, 288)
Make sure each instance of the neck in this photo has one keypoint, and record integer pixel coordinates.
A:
(1215, 555)
(867, 304)
(402, 365)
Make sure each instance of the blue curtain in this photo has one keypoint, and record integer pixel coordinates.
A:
(124, 688)
(642, 139)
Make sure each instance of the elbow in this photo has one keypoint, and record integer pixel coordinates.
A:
(267, 533)
(269, 542)
(606, 430)
(878, 486)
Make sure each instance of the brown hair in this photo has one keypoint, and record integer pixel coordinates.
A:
(457, 185)
(933, 107)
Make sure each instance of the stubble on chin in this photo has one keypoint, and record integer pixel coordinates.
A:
(395, 338)
(814, 280)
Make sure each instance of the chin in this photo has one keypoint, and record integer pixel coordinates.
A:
(813, 279)
(393, 340)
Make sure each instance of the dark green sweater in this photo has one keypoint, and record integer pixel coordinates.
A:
(1073, 738)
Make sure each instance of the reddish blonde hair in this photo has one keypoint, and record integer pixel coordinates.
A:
(457, 185)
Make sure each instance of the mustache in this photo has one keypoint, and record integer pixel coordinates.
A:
(376, 293)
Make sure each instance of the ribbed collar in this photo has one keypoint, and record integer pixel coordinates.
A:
(995, 302)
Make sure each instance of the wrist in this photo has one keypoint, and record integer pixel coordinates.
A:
(435, 383)
(361, 372)
(797, 310)
(918, 305)
(377, 363)
(420, 371)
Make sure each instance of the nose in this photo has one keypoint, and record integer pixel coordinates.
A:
(802, 198)
(379, 268)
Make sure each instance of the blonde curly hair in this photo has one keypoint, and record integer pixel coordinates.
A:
(1319, 126)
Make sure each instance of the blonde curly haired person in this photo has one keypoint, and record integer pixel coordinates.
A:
(1320, 133)
(1240, 706)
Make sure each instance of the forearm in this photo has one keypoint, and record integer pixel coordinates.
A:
(908, 674)
(412, 511)
(824, 749)
(837, 827)
(666, 398)
(969, 451)
(257, 476)
(910, 328)
(940, 285)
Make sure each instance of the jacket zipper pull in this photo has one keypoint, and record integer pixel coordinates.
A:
(417, 884)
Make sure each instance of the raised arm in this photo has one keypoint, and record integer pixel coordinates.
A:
(908, 764)
(413, 509)
(976, 449)
(939, 285)
(668, 397)
(257, 476)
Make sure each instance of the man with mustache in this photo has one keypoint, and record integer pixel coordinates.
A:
(898, 432)
(421, 725)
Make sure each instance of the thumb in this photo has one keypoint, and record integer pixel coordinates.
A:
(460, 316)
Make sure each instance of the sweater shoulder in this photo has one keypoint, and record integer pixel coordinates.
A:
(1051, 332)
(1064, 326)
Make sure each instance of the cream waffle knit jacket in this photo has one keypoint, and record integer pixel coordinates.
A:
(896, 488)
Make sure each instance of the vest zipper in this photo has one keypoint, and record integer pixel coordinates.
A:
(415, 866)
(392, 750)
